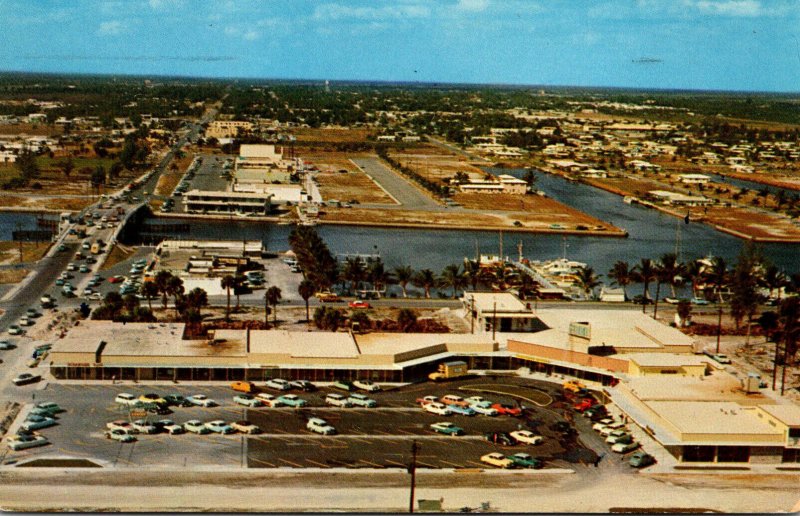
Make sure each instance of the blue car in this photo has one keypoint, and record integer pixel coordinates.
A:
(464, 411)
(291, 400)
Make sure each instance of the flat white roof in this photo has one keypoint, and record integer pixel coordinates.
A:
(485, 302)
(712, 417)
(296, 343)
(787, 414)
(667, 359)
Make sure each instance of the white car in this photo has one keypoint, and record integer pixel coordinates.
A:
(527, 437)
(437, 408)
(201, 400)
(21, 442)
(246, 400)
(360, 400)
(278, 384)
(196, 426)
(337, 400)
(25, 321)
(601, 424)
(124, 398)
(497, 459)
(120, 435)
(245, 427)
(472, 400)
(268, 400)
(616, 434)
(143, 427)
(366, 385)
(320, 426)
(485, 408)
(97, 296)
(171, 427)
(121, 424)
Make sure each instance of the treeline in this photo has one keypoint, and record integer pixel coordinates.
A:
(432, 186)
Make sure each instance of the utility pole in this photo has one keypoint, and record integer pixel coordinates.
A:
(472, 315)
(494, 319)
(719, 321)
(413, 470)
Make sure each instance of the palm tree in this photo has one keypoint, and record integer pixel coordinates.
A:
(353, 272)
(378, 275)
(306, 289)
(672, 271)
(774, 278)
(453, 277)
(228, 282)
(272, 296)
(621, 275)
(175, 289)
(150, 292)
(693, 272)
(238, 284)
(587, 280)
(404, 274)
(426, 279)
(644, 273)
(197, 298)
(789, 331)
(162, 282)
(473, 272)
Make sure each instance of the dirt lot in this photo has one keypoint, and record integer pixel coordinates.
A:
(532, 222)
(435, 163)
(330, 135)
(172, 176)
(352, 185)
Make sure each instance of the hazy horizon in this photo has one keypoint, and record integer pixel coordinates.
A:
(686, 45)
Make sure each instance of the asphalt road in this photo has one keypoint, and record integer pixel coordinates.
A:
(408, 195)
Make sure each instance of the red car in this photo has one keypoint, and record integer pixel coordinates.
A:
(507, 410)
(358, 304)
(583, 404)
(116, 279)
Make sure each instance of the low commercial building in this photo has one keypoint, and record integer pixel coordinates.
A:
(694, 179)
(502, 184)
(201, 201)
(678, 199)
(228, 128)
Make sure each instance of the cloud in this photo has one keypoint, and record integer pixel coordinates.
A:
(472, 5)
(346, 12)
(743, 8)
(110, 28)
(249, 34)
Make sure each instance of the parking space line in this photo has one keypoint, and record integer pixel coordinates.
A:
(262, 462)
(420, 463)
(390, 461)
(321, 465)
(296, 465)
(371, 463)
(450, 463)
(475, 463)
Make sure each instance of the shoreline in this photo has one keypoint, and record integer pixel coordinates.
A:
(402, 225)
(662, 209)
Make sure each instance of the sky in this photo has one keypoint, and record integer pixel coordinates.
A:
(744, 45)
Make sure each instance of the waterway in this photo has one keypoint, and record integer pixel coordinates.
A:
(651, 234)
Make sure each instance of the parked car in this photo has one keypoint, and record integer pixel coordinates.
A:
(526, 437)
(606, 430)
(143, 427)
(447, 428)
(624, 447)
(219, 426)
(366, 385)
(121, 424)
(169, 426)
(485, 408)
(120, 435)
(268, 400)
(201, 400)
(337, 400)
(437, 408)
(525, 460)
(461, 410)
(176, 400)
(35, 422)
(721, 358)
(291, 400)
(501, 438)
(25, 321)
(26, 378)
(152, 398)
(246, 400)
(698, 301)
(5, 345)
(472, 400)
(358, 304)
(125, 398)
(15, 330)
(245, 427)
(498, 460)
(196, 427)
(303, 385)
(278, 384)
(611, 438)
(641, 459)
(504, 409)
(602, 423)
(24, 441)
(320, 426)
(624, 438)
(343, 385)
(452, 399)
(360, 400)
(49, 407)
(427, 399)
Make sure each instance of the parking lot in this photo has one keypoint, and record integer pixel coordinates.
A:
(379, 437)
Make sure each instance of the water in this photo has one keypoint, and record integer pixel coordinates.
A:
(651, 234)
